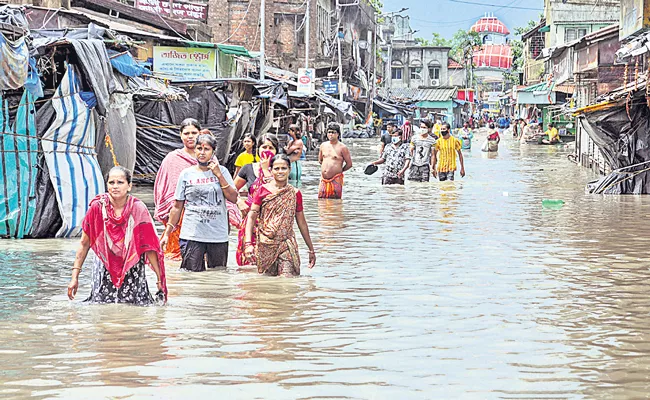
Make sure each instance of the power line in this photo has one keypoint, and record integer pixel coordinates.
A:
(495, 5)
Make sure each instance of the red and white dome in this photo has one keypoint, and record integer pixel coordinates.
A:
(490, 25)
(493, 56)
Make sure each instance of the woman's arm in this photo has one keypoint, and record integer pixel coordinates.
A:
(152, 256)
(249, 250)
(174, 218)
(304, 231)
(82, 253)
(237, 169)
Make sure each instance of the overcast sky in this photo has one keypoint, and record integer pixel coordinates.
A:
(448, 16)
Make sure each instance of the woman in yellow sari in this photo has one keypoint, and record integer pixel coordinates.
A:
(276, 205)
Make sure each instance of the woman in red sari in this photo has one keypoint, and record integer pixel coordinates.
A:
(120, 231)
(276, 205)
(254, 175)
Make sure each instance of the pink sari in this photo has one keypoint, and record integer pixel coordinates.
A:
(241, 260)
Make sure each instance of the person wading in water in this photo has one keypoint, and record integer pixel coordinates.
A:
(276, 206)
(335, 159)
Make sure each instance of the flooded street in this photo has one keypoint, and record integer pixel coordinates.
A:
(466, 289)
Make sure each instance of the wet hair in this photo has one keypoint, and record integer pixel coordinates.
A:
(334, 127)
(126, 172)
(427, 123)
(491, 125)
(190, 122)
(207, 139)
(280, 157)
(270, 138)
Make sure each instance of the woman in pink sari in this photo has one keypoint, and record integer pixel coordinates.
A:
(254, 175)
(120, 231)
(276, 206)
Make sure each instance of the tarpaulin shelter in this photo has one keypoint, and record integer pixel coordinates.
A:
(228, 108)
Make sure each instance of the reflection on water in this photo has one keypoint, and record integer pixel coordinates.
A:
(465, 289)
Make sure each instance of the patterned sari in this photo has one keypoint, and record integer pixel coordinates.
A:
(277, 248)
(241, 260)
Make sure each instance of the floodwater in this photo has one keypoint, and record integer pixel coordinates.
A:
(466, 289)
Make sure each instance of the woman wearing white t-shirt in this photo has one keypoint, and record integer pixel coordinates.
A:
(201, 196)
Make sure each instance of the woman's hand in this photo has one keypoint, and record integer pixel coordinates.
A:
(163, 241)
(312, 259)
(215, 167)
(243, 206)
(72, 288)
(249, 253)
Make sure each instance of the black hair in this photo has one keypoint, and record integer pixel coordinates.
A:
(427, 123)
(207, 139)
(334, 127)
(190, 122)
(491, 125)
(252, 138)
(391, 124)
(270, 138)
(127, 173)
(447, 125)
(280, 157)
(551, 125)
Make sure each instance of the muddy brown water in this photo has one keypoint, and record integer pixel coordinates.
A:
(463, 290)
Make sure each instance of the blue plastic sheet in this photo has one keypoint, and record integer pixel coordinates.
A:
(18, 160)
(127, 65)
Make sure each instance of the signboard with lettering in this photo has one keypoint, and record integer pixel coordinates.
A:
(184, 64)
(175, 9)
(306, 78)
(331, 86)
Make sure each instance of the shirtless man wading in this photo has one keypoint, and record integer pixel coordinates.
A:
(335, 159)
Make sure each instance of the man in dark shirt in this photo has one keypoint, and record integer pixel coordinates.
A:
(385, 138)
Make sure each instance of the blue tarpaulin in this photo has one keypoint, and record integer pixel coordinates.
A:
(126, 64)
(18, 160)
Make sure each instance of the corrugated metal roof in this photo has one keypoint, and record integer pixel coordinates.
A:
(423, 94)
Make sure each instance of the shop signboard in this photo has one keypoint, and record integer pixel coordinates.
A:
(183, 64)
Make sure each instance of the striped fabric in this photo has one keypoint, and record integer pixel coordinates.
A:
(493, 56)
(18, 160)
(69, 147)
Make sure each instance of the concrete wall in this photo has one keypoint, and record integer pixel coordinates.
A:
(561, 15)
(423, 57)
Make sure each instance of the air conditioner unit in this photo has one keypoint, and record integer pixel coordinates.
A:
(435, 82)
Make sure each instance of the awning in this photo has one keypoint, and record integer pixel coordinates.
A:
(545, 29)
(234, 50)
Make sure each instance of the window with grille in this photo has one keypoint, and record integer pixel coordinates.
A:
(396, 73)
(434, 73)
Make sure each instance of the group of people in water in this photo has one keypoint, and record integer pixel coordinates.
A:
(198, 201)
(429, 152)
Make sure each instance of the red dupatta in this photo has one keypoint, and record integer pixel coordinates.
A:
(119, 242)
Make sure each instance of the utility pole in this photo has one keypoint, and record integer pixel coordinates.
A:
(338, 36)
(307, 36)
(263, 32)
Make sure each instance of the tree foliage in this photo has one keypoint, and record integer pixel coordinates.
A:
(436, 40)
